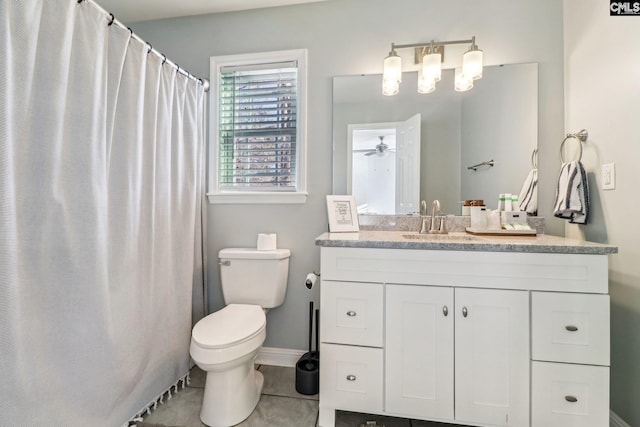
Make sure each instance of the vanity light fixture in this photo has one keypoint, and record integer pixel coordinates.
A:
(430, 71)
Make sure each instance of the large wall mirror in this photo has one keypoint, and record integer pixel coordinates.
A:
(392, 152)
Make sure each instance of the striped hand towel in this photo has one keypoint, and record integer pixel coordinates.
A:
(572, 197)
(529, 193)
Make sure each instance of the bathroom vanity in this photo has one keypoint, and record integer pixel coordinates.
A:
(482, 331)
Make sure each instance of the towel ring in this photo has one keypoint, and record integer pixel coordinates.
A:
(580, 136)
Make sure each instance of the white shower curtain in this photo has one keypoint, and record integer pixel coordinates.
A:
(100, 209)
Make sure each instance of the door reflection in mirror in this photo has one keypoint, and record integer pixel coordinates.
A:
(384, 166)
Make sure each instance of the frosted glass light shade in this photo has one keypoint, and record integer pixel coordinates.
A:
(425, 84)
(390, 87)
(432, 66)
(392, 68)
(472, 64)
(462, 82)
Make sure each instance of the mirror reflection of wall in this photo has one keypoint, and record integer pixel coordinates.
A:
(504, 104)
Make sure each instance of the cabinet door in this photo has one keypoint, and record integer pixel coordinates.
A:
(492, 356)
(419, 351)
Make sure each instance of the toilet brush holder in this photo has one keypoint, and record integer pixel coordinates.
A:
(307, 375)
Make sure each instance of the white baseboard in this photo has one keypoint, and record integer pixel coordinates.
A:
(616, 421)
(278, 356)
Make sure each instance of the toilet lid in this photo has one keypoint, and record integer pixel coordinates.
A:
(232, 325)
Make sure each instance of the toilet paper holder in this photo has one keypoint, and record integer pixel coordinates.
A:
(311, 279)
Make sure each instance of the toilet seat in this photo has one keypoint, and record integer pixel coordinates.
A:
(230, 326)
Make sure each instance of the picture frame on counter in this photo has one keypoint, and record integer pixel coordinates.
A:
(343, 214)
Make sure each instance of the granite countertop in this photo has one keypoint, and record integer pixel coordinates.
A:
(460, 241)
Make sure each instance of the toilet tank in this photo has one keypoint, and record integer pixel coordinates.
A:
(250, 276)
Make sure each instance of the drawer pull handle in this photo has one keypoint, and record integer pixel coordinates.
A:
(445, 311)
(465, 312)
(571, 328)
(351, 313)
(571, 399)
(351, 377)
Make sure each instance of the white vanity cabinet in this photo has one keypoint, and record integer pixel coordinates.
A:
(465, 337)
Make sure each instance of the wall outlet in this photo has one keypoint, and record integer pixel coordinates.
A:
(609, 176)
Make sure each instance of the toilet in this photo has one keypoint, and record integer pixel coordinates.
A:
(224, 344)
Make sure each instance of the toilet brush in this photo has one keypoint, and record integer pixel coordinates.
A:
(310, 366)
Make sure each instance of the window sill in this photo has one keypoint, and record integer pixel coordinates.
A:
(257, 198)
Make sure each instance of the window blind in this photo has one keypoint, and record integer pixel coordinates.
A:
(257, 127)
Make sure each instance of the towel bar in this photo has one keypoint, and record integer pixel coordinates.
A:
(490, 163)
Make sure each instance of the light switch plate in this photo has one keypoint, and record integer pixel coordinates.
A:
(609, 176)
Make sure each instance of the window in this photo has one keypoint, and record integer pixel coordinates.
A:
(258, 128)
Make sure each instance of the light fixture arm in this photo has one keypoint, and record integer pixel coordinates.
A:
(472, 41)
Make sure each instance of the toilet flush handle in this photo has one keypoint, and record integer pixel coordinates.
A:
(225, 262)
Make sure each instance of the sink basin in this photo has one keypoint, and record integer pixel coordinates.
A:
(443, 237)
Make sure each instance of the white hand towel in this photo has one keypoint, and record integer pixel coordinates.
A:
(572, 196)
(529, 193)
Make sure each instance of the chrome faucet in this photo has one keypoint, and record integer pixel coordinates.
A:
(437, 224)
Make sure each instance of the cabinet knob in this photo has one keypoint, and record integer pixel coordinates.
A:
(571, 328)
(351, 313)
(465, 312)
(351, 377)
(445, 311)
(571, 399)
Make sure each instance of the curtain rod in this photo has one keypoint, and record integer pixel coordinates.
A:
(112, 20)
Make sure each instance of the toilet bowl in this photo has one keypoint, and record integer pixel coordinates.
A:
(224, 345)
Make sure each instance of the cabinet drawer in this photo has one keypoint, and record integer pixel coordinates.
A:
(566, 395)
(352, 313)
(571, 328)
(351, 377)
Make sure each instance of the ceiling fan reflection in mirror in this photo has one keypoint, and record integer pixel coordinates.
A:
(380, 149)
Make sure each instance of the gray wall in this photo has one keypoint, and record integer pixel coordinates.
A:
(352, 37)
(603, 96)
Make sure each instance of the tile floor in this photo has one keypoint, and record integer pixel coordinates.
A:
(279, 406)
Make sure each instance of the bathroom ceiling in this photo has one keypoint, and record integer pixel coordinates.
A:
(146, 10)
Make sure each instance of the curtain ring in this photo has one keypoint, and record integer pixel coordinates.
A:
(164, 59)
(177, 69)
(80, 1)
(113, 18)
(150, 48)
(130, 31)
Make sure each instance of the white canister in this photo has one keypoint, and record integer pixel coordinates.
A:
(479, 217)
(466, 207)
